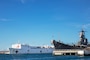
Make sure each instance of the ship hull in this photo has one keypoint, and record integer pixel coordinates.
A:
(30, 51)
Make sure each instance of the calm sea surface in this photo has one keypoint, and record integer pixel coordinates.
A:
(41, 57)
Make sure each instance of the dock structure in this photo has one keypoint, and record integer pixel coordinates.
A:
(4, 52)
(80, 52)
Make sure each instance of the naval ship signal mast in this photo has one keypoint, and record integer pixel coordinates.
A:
(83, 40)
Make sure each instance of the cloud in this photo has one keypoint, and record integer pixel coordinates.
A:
(86, 25)
(3, 19)
(22, 1)
(77, 25)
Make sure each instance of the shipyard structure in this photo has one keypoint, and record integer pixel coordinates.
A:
(81, 48)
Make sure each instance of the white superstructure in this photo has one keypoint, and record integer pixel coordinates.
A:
(26, 49)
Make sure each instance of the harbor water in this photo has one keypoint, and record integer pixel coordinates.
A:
(41, 57)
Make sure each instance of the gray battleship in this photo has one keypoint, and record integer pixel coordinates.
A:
(83, 43)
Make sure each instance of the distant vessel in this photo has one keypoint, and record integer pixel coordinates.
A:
(82, 48)
(26, 49)
(83, 43)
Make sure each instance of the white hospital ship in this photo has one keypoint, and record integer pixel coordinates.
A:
(27, 49)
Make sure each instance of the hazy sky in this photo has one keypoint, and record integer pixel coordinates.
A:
(37, 22)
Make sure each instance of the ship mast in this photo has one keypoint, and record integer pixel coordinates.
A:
(83, 40)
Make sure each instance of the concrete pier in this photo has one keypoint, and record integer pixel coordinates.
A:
(79, 52)
(4, 52)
